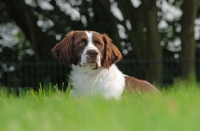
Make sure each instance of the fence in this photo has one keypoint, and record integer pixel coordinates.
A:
(29, 74)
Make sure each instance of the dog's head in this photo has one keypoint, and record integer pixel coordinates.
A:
(87, 48)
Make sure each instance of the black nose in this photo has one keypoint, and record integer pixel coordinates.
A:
(92, 53)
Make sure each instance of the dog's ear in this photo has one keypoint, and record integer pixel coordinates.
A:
(111, 53)
(63, 51)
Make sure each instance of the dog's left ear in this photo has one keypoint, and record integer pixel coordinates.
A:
(63, 50)
(111, 53)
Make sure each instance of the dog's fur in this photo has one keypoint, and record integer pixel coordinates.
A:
(92, 57)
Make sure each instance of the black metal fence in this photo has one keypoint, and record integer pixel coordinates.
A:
(28, 74)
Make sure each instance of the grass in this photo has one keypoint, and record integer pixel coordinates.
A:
(177, 110)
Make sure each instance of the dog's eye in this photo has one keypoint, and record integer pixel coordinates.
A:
(82, 43)
(98, 43)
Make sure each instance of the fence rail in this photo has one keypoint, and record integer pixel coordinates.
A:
(30, 74)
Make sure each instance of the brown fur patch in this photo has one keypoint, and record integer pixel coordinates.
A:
(112, 54)
(133, 84)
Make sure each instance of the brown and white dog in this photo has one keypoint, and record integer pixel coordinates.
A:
(92, 57)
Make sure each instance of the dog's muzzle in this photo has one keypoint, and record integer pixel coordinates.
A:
(92, 56)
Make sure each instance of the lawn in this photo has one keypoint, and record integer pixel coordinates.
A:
(178, 109)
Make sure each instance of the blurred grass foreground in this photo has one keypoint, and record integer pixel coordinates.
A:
(53, 110)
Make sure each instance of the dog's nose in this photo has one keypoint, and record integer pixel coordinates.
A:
(92, 53)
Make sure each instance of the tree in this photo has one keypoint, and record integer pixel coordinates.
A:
(153, 41)
(144, 36)
(187, 38)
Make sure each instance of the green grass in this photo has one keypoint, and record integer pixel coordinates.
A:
(177, 109)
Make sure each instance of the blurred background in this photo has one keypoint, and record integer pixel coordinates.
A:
(159, 39)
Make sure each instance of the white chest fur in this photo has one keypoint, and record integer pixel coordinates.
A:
(107, 82)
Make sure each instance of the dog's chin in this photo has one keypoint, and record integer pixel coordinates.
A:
(92, 64)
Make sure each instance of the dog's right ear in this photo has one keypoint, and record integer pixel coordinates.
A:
(63, 51)
(112, 54)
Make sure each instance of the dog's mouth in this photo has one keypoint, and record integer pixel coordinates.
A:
(92, 60)
(92, 63)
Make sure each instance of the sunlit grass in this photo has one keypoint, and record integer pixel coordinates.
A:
(178, 109)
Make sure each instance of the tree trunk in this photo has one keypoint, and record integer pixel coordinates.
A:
(154, 49)
(31, 30)
(146, 44)
(136, 34)
(189, 8)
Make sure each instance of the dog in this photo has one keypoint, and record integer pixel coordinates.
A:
(92, 57)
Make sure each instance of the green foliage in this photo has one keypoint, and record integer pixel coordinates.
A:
(53, 110)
